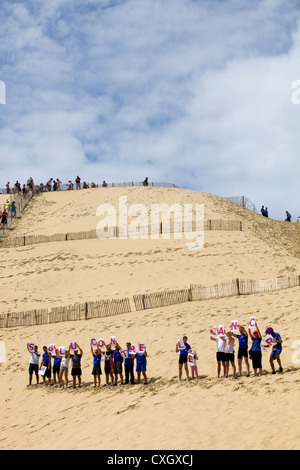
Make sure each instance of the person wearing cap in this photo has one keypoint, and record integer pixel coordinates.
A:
(276, 350)
(256, 355)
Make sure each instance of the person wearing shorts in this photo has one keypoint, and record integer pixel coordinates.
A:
(46, 361)
(183, 354)
(64, 369)
(56, 368)
(108, 364)
(243, 349)
(34, 364)
(276, 350)
(256, 351)
(76, 366)
(220, 354)
(96, 372)
(117, 365)
(141, 366)
(229, 354)
(4, 219)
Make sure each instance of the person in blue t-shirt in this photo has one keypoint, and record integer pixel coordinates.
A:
(117, 365)
(256, 355)
(141, 366)
(56, 368)
(276, 350)
(183, 354)
(96, 372)
(243, 349)
(46, 361)
(128, 365)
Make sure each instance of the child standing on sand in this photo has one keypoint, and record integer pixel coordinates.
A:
(243, 349)
(276, 350)
(64, 369)
(56, 368)
(141, 366)
(256, 351)
(194, 368)
(221, 347)
(96, 372)
(229, 354)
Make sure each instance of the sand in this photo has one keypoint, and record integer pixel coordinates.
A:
(209, 413)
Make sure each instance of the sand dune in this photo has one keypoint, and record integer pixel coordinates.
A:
(209, 413)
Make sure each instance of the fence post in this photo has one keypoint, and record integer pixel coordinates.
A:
(238, 286)
(190, 295)
(86, 311)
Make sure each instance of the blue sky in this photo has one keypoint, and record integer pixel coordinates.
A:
(192, 92)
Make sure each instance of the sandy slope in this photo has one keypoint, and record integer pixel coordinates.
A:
(210, 413)
(246, 413)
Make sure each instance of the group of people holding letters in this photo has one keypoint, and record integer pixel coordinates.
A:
(225, 353)
(226, 342)
(56, 362)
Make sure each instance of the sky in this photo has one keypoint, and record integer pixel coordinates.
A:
(193, 92)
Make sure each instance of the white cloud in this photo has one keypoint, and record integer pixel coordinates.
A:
(194, 92)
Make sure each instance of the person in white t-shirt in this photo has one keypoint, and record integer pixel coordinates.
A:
(194, 368)
(229, 354)
(221, 347)
(64, 369)
(34, 364)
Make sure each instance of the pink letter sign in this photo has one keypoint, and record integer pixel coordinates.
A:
(113, 341)
(234, 326)
(73, 345)
(31, 347)
(132, 349)
(213, 332)
(141, 347)
(221, 331)
(101, 343)
(93, 342)
(252, 322)
(191, 359)
(180, 344)
(61, 350)
(270, 340)
(51, 348)
(124, 353)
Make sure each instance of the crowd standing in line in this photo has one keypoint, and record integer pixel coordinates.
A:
(56, 362)
(53, 185)
(225, 350)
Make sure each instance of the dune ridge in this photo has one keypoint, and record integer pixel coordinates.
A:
(209, 413)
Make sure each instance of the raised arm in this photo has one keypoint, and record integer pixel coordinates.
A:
(259, 334)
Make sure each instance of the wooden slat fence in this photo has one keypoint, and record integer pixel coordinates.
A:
(24, 240)
(104, 308)
(75, 312)
(161, 299)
